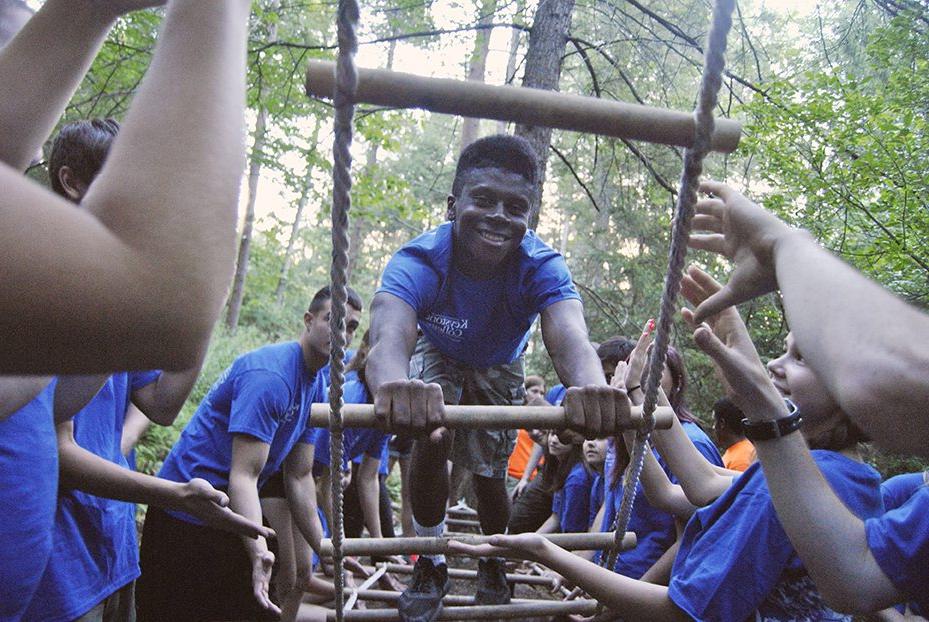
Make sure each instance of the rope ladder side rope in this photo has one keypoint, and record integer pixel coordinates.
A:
(344, 96)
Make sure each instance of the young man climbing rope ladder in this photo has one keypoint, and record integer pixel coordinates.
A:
(473, 287)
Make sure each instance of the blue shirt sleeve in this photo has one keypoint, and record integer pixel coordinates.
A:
(409, 277)
(261, 399)
(899, 541)
(551, 283)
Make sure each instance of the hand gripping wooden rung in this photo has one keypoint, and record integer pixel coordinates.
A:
(480, 417)
(523, 105)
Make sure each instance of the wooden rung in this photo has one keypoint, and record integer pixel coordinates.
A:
(540, 608)
(454, 600)
(471, 575)
(479, 417)
(460, 511)
(463, 522)
(439, 546)
(523, 105)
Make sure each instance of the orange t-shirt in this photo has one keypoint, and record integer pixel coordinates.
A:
(739, 456)
(520, 455)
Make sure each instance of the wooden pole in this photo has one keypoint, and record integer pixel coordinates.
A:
(453, 600)
(439, 546)
(479, 417)
(523, 105)
(471, 575)
(540, 608)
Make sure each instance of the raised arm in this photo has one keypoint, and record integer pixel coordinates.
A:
(29, 112)
(134, 427)
(161, 212)
(827, 536)
(83, 470)
(835, 313)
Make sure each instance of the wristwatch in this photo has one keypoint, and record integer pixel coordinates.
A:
(771, 429)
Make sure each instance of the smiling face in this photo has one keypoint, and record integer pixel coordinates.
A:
(799, 383)
(556, 447)
(490, 218)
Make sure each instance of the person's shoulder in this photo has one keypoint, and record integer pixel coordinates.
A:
(433, 246)
(278, 360)
(579, 474)
(534, 251)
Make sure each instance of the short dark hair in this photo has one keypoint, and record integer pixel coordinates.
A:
(534, 381)
(615, 349)
(510, 153)
(324, 294)
(82, 146)
(726, 411)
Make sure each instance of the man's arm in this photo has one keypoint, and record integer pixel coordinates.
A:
(591, 406)
(369, 491)
(29, 112)
(301, 493)
(249, 456)
(161, 212)
(835, 313)
(92, 474)
(162, 400)
(408, 405)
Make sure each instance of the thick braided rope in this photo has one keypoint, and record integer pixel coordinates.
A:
(714, 63)
(346, 84)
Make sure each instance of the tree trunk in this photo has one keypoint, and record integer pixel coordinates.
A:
(547, 40)
(234, 306)
(294, 232)
(514, 54)
(477, 65)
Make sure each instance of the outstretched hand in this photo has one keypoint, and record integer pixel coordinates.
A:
(261, 580)
(726, 340)
(200, 499)
(519, 546)
(743, 232)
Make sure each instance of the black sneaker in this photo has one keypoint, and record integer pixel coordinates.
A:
(422, 601)
(492, 588)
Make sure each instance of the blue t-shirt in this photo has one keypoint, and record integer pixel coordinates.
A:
(735, 558)
(654, 528)
(478, 322)
(28, 490)
(897, 490)
(356, 442)
(555, 395)
(596, 497)
(572, 502)
(899, 541)
(94, 552)
(265, 394)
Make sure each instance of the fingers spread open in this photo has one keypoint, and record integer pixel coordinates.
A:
(718, 188)
(711, 242)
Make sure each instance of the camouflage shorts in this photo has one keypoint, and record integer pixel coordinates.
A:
(483, 452)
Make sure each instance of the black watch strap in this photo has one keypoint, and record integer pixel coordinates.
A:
(768, 430)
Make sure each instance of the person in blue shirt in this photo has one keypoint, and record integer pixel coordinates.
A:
(567, 479)
(253, 422)
(735, 560)
(473, 287)
(870, 348)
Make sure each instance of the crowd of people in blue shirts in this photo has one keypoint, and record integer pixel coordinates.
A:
(237, 513)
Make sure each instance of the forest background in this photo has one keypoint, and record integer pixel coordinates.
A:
(834, 100)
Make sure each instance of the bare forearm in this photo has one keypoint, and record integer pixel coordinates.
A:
(533, 462)
(663, 494)
(55, 48)
(575, 360)
(699, 480)
(134, 427)
(243, 500)
(634, 599)
(830, 539)
(301, 494)
(882, 391)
